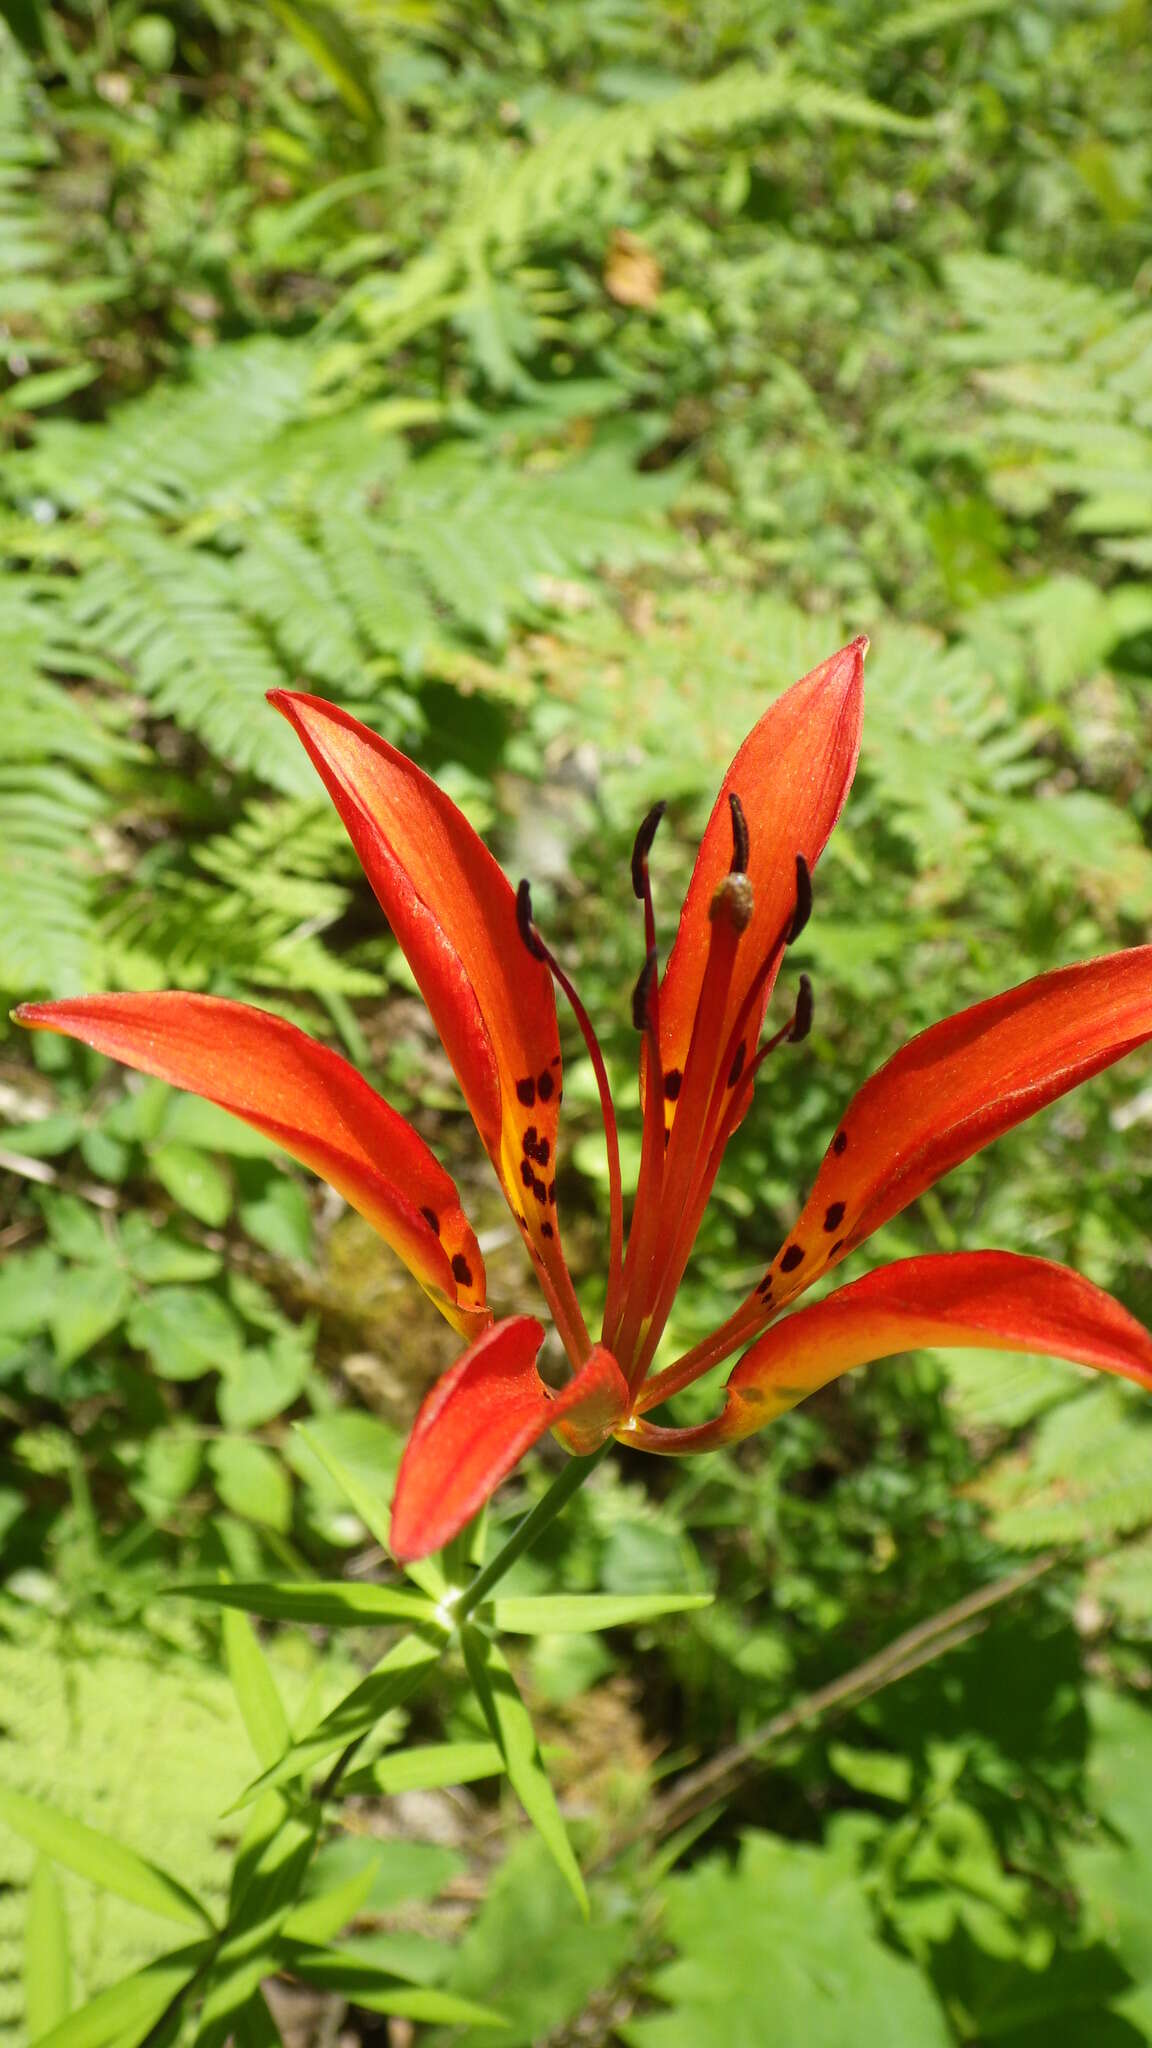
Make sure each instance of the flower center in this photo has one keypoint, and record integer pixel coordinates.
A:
(690, 1112)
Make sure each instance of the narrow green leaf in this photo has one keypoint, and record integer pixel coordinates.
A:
(427, 1768)
(233, 1983)
(100, 1859)
(47, 1964)
(255, 1688)
(322, 1918)
(330, 41)
(434, 2008)
(512, 1731)
(331, 1604)
(252, 1948)
(366, 1984)
(388, 1686)
(576, 1613)
(271, 1866)
(255, 2026)
(373, 1511)
(125, 2012)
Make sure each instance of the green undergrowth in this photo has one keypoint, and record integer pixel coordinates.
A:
(552, 387)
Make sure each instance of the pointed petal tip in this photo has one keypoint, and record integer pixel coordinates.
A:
(286, 702)
(846, 667)
(40, 1016)
(477, 1423)
(260, 1067)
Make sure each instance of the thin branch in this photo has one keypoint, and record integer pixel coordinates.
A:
(917, 1646)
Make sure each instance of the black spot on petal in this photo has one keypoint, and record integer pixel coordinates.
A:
(540, 1191)
(526, 1091)
(529, 1141)
(791, 1257)
(546, 1230)
(526, 1173)
(431, 1219)
(834, 1217)
(545, 1086)
(840, 1143)
(672, 1084)
(461, 1270)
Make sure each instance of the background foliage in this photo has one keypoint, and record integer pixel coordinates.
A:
(553, 386)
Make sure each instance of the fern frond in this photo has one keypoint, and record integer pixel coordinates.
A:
(246, 907)
(1086, 1477)
(28, 246)
(161, 452)
(513, 200)
(931, 18)
(174, 617)
(483, 535)
(95, 1719)
(1069, 371)
(517, 198)
(1123, 1581)
(51, 807)
(46, 877)
(290, 588)
(385, 598)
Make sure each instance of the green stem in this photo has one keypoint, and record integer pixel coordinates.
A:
(571, 1479)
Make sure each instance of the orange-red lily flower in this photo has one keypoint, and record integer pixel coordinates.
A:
(489, 981)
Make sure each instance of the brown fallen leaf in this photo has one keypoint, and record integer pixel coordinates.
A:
(632, 275)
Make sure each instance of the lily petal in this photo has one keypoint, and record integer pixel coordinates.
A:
(454, 914)
(992, 1301)
(954, 1088)
(478, 1421)
(791, 775)
(274, 1077)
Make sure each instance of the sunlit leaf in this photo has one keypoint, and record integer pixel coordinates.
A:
(574, 1613)
(255, 1689)
(371, 1507)
(394, 1679)
(126, 2010)
(101, 1860)
(426, 1769)
(368, 1985)
(47, 1960)
(515, 1737)
(326, 1603)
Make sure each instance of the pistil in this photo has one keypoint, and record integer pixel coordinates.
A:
(540, 951)
(655, 1223)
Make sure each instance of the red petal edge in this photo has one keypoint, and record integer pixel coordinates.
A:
(304, 1096)
(478, 1421)
(454, 914)
(792, 774)
(993, 1301)
(957, 1086)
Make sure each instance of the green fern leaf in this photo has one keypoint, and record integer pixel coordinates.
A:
(173, 616)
